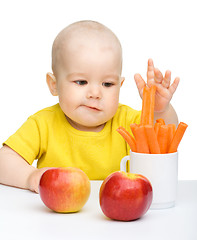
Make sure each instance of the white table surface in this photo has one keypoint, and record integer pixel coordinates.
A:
(24, 216)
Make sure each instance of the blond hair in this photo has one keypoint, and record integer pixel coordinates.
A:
(84, 27)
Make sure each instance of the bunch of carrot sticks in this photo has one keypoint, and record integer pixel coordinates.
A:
(152, 138)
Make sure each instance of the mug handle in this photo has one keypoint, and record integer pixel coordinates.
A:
(123, 163)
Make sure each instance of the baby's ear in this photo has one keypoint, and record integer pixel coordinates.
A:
(122, 80)
(52, 83)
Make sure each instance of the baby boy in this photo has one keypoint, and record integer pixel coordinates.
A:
(80, 131)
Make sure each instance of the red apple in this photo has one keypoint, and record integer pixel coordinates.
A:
(64, 189)
(125, 196)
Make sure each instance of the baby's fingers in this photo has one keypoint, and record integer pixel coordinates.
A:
(166, 79)
(140, 83)
(150, 71)
(174, 85)
(158, 76)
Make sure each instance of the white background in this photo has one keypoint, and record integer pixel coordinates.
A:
(162, 30)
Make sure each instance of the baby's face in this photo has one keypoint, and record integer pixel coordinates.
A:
(89, 82)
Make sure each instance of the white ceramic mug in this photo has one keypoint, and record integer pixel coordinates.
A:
(161, 170)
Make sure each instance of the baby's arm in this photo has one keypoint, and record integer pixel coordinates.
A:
(16, 172)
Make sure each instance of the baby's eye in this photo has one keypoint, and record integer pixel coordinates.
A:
(81, 82)
(107, 84)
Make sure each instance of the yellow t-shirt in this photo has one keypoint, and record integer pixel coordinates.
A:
(48, 137)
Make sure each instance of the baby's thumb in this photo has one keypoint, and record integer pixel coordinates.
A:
(140, 83)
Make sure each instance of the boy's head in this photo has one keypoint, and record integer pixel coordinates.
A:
(86, 64)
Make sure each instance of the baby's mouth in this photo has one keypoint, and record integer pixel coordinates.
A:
(92, 108)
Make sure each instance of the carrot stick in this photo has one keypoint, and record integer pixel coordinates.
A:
(128, 138)
(156, 128)
(145, 105)
(177, 137)
(141, 140)
(133, 126)
(152, 139)
(160, 120)
(174, 128)
(148, 105)
(152, 105)
(171, 132)
(163, 138)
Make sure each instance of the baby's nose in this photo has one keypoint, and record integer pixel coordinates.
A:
(94, 92)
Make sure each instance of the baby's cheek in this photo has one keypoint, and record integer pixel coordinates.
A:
(112, 104)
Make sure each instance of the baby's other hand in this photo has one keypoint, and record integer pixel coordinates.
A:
(34, 179)
(164, 90)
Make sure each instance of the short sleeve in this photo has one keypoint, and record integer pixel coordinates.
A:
(26, 140)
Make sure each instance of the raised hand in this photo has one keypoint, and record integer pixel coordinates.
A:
(165, 89)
